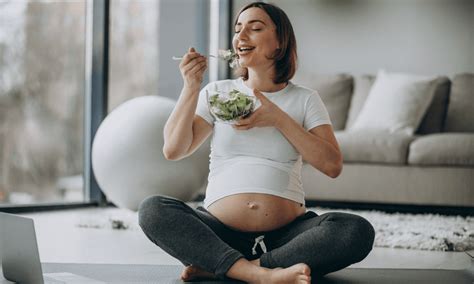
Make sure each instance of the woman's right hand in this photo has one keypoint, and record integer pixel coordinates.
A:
(192, 68)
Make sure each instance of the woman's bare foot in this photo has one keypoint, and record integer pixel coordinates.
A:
(298, 273)
(195, 273)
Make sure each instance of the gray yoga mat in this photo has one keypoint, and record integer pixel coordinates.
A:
(120, 273)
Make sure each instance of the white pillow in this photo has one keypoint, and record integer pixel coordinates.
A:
(396, 103)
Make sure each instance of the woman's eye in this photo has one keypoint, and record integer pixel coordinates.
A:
(252, 30)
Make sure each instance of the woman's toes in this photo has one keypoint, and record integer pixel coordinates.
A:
(193, 272)
(305, 269)
(188, 272)
(305, 278)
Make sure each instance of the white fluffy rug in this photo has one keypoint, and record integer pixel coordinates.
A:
(418, 231)
(408, 231)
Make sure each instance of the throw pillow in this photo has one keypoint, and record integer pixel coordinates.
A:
(362, 86)
(335, 92)
(396, 103)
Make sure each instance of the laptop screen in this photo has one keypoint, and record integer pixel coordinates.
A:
(19, 249)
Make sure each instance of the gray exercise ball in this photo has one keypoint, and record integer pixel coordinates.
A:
(127, 156)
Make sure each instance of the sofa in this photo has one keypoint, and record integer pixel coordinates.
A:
(432, 166)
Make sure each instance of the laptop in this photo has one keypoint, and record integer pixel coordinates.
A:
(20, 256)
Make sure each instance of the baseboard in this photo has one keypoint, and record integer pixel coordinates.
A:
(386, 207)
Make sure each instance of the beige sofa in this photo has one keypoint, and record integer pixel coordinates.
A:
(433, 167)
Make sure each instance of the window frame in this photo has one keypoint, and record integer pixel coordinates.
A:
(96, 95)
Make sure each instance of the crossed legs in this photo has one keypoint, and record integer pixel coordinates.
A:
(317, 244)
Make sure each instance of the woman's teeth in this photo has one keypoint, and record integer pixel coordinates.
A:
(244, 49)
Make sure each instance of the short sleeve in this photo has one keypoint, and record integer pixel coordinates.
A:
(202, 108)
(315, 112)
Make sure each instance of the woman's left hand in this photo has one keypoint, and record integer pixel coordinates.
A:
(268, 114)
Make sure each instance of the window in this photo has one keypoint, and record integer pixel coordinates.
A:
(133, 45)
(52, 85)
(41, 101)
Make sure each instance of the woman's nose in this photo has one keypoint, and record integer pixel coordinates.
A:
(242, 34)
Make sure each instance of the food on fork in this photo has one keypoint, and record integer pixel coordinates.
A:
(230, 56)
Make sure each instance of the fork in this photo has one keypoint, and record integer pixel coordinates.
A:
(179, 58)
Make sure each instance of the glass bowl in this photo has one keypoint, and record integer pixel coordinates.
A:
(229, 107)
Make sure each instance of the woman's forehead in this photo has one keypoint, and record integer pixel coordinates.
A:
(254, 14)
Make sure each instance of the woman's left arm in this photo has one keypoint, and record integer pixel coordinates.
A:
(318, 146)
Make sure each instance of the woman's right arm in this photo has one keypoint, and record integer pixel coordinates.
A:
(184, 132)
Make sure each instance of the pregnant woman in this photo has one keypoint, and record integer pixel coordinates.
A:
(254, 225)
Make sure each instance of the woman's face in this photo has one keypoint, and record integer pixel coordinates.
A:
(255, 38)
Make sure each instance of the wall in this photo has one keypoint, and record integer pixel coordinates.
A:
(361, 36)
(183, 24)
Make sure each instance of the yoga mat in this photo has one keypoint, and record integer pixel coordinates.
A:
(124, 273)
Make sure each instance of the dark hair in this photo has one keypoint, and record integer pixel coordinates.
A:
(285, 57)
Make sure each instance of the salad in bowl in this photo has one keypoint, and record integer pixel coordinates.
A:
(229, 107)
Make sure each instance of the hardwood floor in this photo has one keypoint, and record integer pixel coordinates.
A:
(61, 240)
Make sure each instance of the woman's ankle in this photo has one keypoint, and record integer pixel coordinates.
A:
(246, 270)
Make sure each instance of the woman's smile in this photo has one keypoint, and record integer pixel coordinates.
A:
(242, 51)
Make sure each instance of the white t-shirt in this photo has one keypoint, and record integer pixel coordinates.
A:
(260, 159)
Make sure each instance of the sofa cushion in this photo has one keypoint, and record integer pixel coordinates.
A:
(434, 117)
(374, 146)
(460, 115)
(396, 102)
(362, 86)
(335, 91)
(443, 149)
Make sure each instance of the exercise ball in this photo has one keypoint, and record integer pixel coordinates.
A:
(128, 160)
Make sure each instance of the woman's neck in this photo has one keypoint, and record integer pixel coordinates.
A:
(263, 82)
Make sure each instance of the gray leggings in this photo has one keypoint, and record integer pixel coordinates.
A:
(326, 243)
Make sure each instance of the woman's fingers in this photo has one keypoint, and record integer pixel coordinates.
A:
(189, 57)
(195, 74)
(203, 68)
(198, 66)
(192, 67)
(196, 63)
